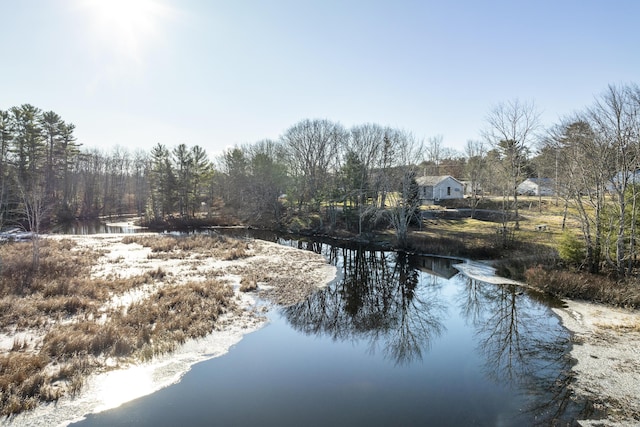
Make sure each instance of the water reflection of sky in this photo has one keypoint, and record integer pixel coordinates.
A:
(388, 343)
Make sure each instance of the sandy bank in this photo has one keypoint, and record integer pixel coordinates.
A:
(607, 350)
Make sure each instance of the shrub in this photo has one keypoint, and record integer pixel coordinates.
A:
(571, 249)
(584, 286)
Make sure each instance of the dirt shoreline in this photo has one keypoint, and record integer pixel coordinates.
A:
(280, 275)
(607, 353)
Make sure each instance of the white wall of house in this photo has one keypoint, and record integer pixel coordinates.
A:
(449, 188)
(533, 188)
(440, 188)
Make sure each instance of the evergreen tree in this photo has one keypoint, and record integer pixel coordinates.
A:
(202, 172)
(162, 182)
(183, 164)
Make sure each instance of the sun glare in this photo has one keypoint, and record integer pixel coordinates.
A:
(125, 28)
(118, 387)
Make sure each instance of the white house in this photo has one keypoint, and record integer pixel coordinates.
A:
(435, 188)
(536, 187)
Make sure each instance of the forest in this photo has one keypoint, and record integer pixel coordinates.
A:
(320, 175)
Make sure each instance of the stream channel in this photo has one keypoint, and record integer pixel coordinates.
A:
(394, 340)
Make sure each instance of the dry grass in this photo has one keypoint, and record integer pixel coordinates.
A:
(633, 327)
(21, 382)
(149, 327)
(71, 311)
(248, 284)
(173, 315)
(219, 247)
(585, 286)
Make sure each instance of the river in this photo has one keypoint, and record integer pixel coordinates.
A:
(396, 339)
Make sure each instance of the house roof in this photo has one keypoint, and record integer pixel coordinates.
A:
(433, 180)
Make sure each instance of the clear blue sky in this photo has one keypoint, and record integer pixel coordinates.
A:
(217, 73)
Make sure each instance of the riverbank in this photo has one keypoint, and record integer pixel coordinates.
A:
(143, 274)
(606, 348)
(606, 340)
(607, 353)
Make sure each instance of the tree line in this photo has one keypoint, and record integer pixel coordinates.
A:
(320, 174)
(593, 159)
(317, 166)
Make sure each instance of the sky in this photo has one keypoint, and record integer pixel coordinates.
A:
(135, 73)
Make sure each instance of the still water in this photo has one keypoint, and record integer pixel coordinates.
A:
(118, 226)
(395, 340)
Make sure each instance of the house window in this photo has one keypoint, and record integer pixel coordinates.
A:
(448, 191)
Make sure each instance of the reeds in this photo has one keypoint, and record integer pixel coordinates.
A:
(585, 286)
(150, 327)
(21, 381)
(220, 247)
(248, 284)
(78, 329)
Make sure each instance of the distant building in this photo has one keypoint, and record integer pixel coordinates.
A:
(632, 178)
(536, 187)
(436, 188)
(469, 188)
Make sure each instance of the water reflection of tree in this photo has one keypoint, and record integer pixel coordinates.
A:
(379, 299)
(523, 346)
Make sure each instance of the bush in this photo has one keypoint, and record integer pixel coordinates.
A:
(571, 249)
(584, 286)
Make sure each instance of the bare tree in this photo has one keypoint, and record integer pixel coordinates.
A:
(141, 166)
(313, 147)
(34, 208)
(268, 180)
(615, 118)
(510, 130)
(234, 180)
(434, 153)
(365, 148)
(403, 198)
(586, 169)
(476, 168)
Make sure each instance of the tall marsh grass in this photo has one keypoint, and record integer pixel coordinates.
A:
(216, 246)
(21, 381)
(585, 286)
(66, 305)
